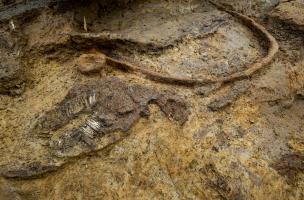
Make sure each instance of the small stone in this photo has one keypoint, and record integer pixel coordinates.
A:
(91, 63)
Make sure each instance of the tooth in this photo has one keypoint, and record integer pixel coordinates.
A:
(87, 130)
(93, 124)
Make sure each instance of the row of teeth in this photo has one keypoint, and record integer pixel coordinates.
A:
(81, 103)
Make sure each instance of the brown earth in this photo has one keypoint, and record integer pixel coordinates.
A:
(117, 134)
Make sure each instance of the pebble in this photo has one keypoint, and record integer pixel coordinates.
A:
(90, 63)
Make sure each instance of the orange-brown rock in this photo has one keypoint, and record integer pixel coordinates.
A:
(92, 62)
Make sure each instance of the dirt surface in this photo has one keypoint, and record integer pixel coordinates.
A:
(76, 126)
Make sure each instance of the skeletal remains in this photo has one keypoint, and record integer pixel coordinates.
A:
(111, 108)
(110, 105)
(272, 49)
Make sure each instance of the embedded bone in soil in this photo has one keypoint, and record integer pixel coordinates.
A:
(111, 105)
(187, 68)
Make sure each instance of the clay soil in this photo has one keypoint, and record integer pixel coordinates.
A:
(238, 139)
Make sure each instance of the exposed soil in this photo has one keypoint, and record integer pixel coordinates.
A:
(290, 166)
(151, 100)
